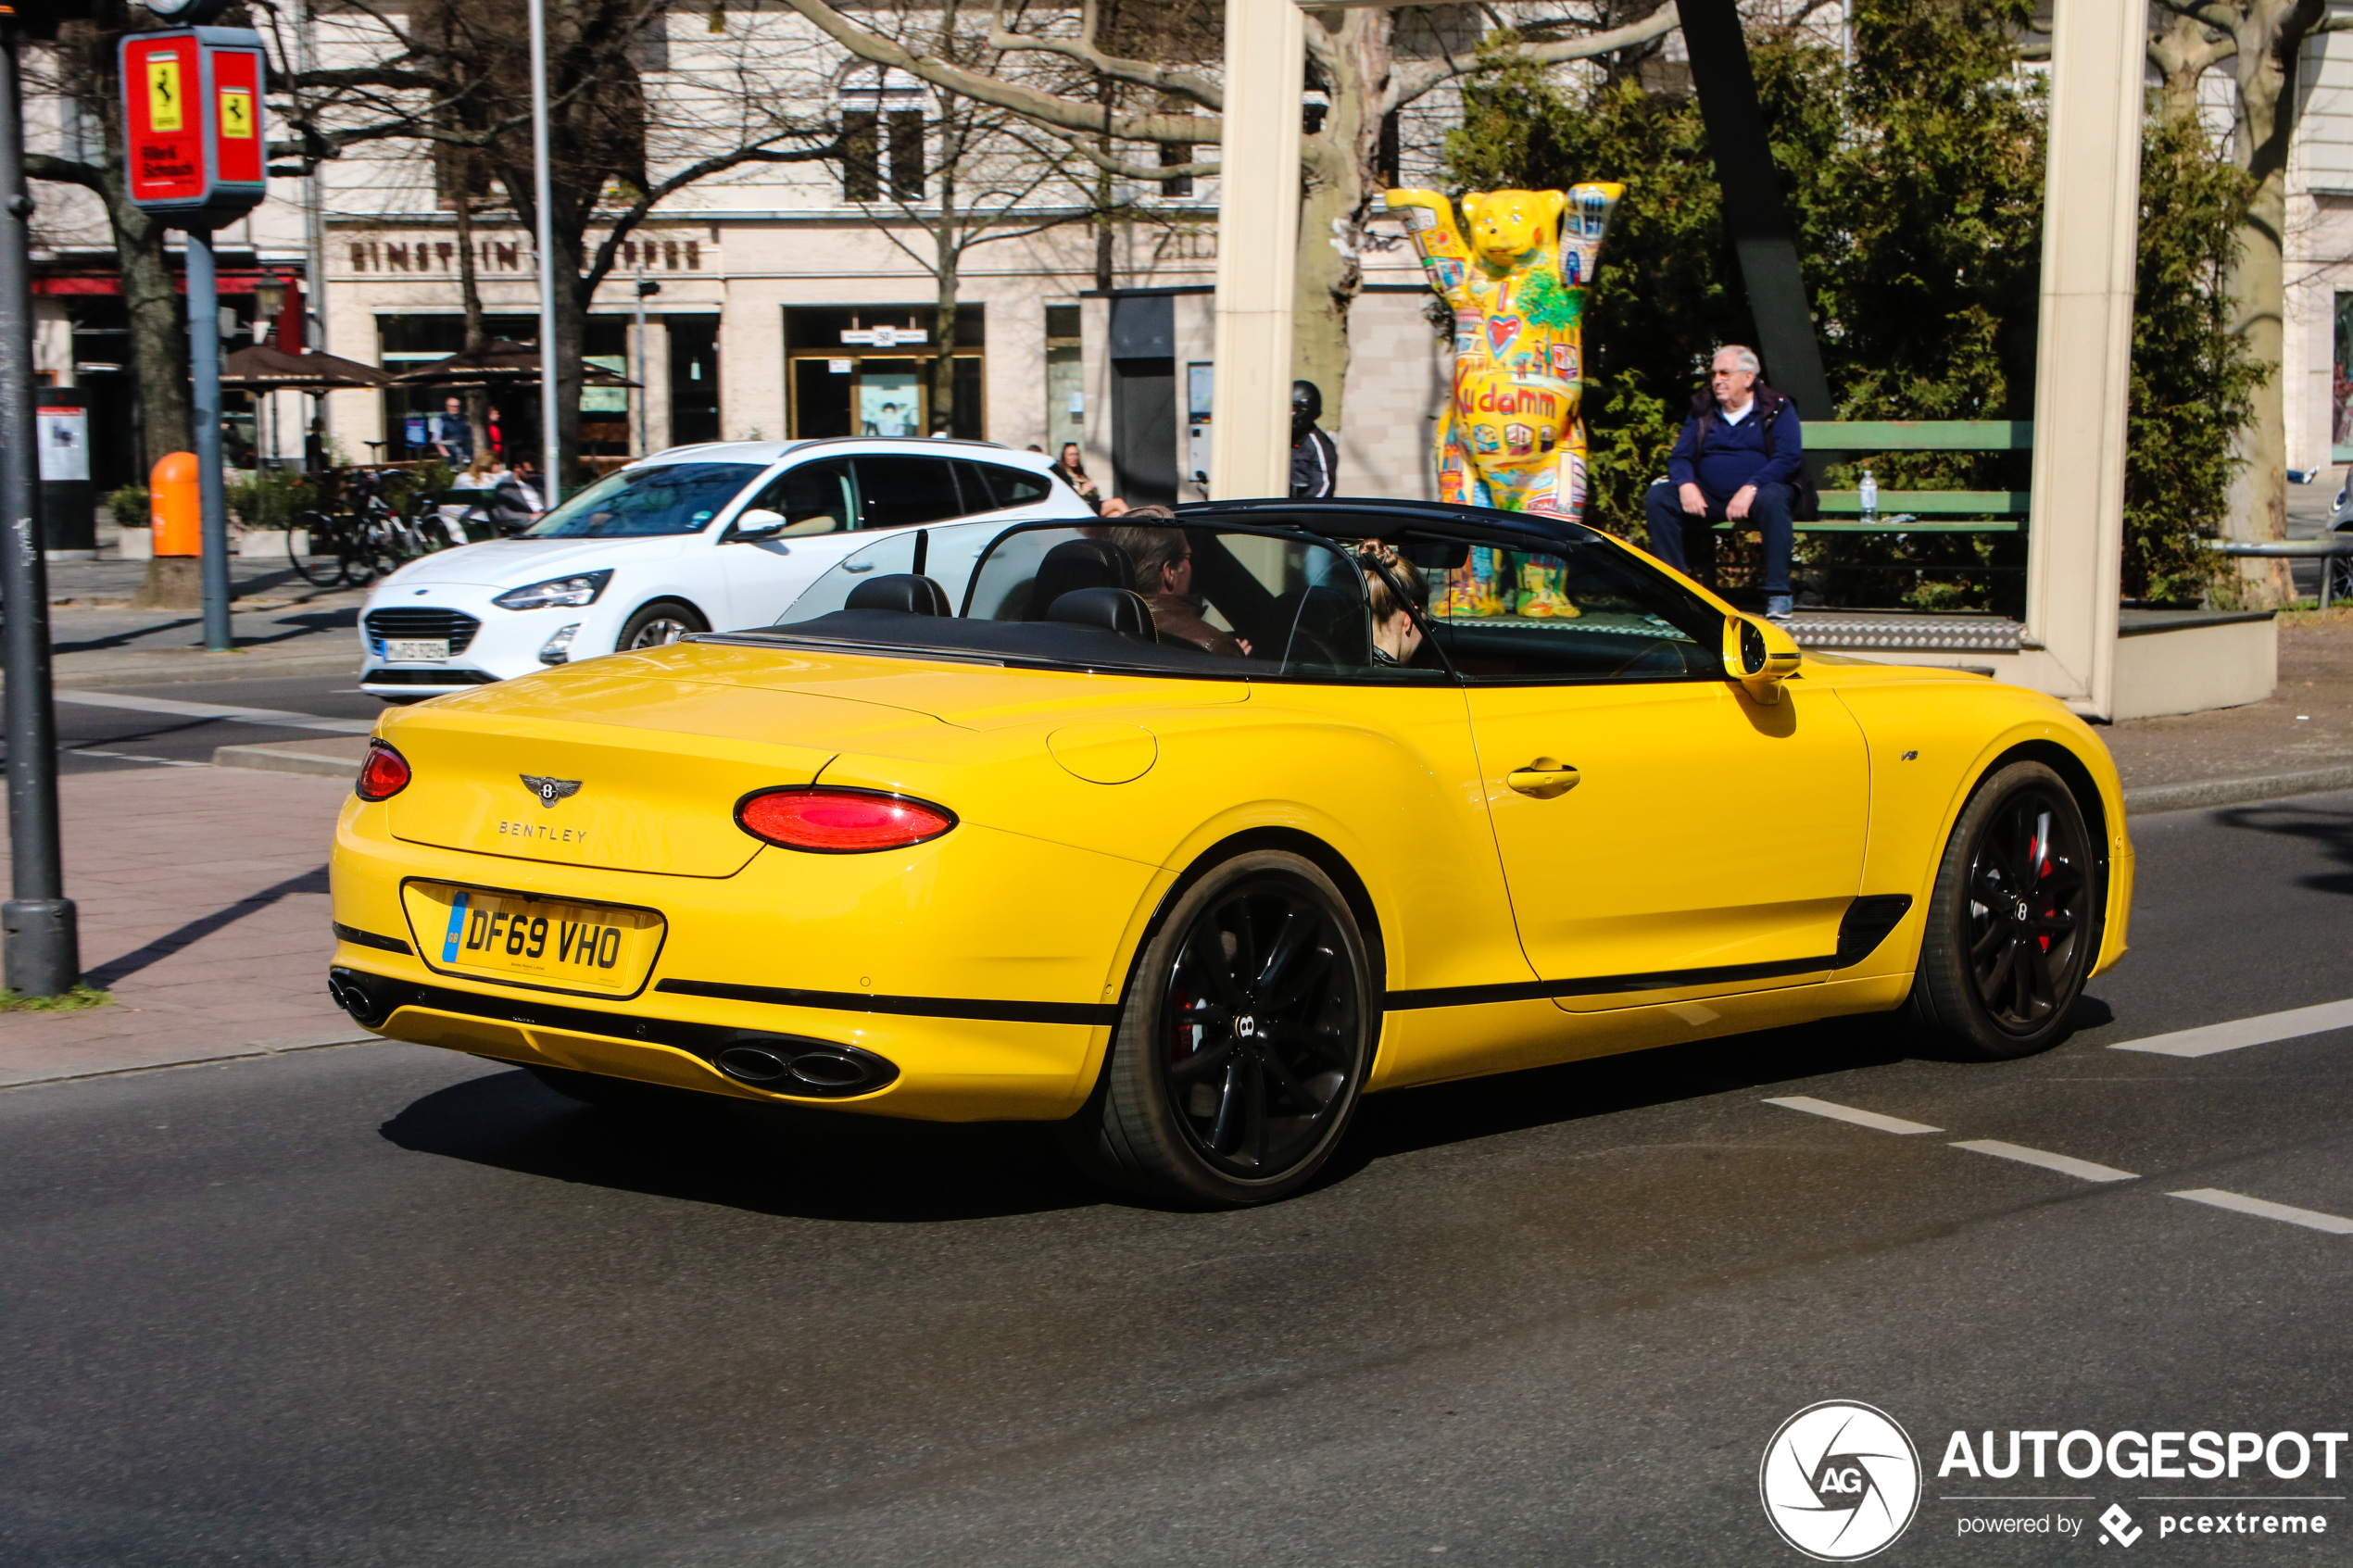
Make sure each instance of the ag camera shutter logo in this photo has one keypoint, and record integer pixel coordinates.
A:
(1840, 1481)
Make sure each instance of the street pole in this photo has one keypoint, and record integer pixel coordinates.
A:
(42, 954)
(204, 365)
(637, 366)
(551, 480)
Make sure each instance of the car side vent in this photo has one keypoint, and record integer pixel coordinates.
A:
(1866, 922)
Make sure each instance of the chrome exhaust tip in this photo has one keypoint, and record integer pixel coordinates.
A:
(807, 1067)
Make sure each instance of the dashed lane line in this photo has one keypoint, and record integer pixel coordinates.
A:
(278, 718)
(2065, 1164)
(2310, 1219)
(1813, 1107)
(2241, 1033)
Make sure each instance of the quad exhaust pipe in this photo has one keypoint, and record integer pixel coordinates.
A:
(786, 1066)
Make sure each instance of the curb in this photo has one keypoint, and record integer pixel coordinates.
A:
(185, 668)
(237, 1053)
(335, 758)
(2151, 798)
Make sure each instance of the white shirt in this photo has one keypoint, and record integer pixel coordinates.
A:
(1730, 418)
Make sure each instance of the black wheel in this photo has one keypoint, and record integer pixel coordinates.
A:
(608, 1094)
(664, 621)
(2014, 922)
(1243, 1046)
(323, 567)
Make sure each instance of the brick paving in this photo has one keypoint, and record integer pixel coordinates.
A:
(203, 900)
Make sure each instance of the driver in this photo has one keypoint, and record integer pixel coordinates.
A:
(1396, 636)
(1164, 563)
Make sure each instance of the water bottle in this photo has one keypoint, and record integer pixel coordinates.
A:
(1870, 498)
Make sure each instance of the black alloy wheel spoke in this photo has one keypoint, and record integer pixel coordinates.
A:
(1201, 1061)
(1262, 1003)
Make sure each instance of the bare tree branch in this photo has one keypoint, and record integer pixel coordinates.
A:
(1408, 85)
(1143, 73)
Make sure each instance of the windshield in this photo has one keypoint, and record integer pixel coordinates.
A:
(639, 503)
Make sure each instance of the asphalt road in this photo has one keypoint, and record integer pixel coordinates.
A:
(386, 1306)
(93, 738)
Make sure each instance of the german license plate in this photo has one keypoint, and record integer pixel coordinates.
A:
(549, 942)
(417, 650)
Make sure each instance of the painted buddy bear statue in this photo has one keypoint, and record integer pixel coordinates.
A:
(1512, 437)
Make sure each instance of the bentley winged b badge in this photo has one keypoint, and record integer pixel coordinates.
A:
(549, 791)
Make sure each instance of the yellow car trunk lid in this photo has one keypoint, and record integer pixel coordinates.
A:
(613, 771)
(971, 695)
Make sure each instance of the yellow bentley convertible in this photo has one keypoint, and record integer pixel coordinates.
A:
(1186, 835)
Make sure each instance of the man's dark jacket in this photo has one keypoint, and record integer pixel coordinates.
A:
(1766, 447)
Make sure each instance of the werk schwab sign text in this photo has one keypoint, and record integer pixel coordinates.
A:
(193, 139)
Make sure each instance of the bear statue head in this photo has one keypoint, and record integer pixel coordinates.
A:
(1506, 225)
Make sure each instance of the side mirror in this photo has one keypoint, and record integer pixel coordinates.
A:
(1759, 655)
(757, 526)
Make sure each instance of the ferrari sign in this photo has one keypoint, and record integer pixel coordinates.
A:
(192, 123)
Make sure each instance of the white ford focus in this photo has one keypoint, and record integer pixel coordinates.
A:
(721, 536)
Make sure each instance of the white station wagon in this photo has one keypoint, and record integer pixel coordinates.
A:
(723, 536)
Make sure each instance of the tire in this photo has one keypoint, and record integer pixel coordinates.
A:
(1242, 1047)
(321, 530)
(656, 624)
(2014, 922)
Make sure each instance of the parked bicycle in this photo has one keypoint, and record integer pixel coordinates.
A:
(362, 536)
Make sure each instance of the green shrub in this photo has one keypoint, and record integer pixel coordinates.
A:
(129, 507)
(271, 497)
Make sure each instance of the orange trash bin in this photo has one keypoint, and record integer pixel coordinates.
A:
(174, 506)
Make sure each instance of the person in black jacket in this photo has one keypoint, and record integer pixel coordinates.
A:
(1314, 460)
(1738, 458)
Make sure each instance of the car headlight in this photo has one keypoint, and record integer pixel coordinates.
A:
(581, 588)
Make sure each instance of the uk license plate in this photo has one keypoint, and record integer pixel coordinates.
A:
(417, 650)
(549, 942)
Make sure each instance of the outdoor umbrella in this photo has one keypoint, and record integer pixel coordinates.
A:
(498, 363)
(265, 368)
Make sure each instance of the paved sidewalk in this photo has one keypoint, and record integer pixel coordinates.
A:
(282, 626)
(203, 900)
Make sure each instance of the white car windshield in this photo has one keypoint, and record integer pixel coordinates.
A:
(638, 503)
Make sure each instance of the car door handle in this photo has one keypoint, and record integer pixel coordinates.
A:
(1544, 778)
(854, 568)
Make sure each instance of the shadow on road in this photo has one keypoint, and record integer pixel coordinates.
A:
(769, 1160)
(2331, 832)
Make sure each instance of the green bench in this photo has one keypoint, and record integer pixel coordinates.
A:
(1932, 511)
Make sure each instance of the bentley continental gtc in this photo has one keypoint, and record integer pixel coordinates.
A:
(1187, 835)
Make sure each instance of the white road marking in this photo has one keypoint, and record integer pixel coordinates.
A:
(1813, 1107)
(276, 717)
(2243, 1031)
(2310, 1218)
(2065, 1164)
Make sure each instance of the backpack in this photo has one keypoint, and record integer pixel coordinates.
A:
(1806, 497)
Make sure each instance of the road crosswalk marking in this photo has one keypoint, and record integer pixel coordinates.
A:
(276, 717)
(2311, 1219)
(2244, 1032)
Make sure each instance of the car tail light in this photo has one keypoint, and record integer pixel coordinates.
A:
(840, 822)
(383, 774)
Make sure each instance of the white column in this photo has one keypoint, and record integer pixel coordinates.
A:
(1257, 248)
(2091, 212)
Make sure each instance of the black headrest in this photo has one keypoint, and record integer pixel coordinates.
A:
(1122, 609)
(900, 591)
(1074, 564)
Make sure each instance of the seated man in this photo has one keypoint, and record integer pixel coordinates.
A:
(1165, 577)
(1737, 459)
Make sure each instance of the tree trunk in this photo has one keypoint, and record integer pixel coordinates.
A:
(470, 300)
(946, 254)
(1353, 50)
(2270, 34)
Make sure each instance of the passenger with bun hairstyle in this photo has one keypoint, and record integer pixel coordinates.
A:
(1396, 588)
